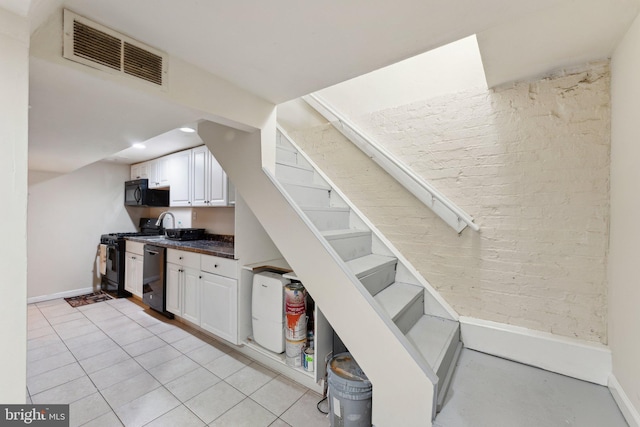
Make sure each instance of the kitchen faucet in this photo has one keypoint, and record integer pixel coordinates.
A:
(161, 217)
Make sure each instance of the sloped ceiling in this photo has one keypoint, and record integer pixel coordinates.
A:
(569, 34)
(282, 49)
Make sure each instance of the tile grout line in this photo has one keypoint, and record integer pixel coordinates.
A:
(127, 313)
(143, 368)
(87, 374)
(147, 371)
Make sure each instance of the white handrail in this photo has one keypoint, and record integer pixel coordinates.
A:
(425, 192)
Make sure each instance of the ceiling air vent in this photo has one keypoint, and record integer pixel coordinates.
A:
(99, 47)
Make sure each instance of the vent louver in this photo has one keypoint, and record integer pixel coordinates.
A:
(143, 64)
(94, 45)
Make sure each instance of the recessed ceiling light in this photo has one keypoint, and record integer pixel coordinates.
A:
(139, 146)
(187, 130)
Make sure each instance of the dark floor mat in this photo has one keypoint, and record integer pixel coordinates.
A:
(88, 299)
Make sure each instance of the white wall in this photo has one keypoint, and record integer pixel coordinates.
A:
(624, 268)
(215, 220)
(219, 220)
(14, 81)
(530, 163)
(66, 216)
(452, 68)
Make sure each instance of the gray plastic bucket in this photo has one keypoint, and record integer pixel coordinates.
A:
(349, 393)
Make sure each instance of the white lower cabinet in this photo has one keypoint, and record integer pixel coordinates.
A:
(133, 273)
(173, 291)
(205, 299)
(220, 306)
(183, 292)
(133, 267)
(191, 292)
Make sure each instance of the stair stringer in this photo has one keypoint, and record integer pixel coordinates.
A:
(404, 386)
(435, 304)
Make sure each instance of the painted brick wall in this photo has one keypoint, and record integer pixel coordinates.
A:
(530, 162)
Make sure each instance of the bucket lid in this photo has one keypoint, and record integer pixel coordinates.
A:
(345, 366)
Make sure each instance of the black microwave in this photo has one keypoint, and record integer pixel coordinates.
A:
(138, 193)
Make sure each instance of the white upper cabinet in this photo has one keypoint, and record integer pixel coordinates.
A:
(209, 180)
(162, 171)
(158, 171)
(194, 178)
(140, 171)
(180, 177)
(200, 187)
(219, 186)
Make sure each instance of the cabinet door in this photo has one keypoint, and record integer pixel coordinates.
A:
(129, 272)
(218, 183)
(152, 171)
(138, 262)
(219, 310)
(174, 276)
(162, 171)
(200, 187)
(180, 177)
(135, 171)
(144, 170)
(191, 295)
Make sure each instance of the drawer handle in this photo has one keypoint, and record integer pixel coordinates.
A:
(180, 258)
(215, 265)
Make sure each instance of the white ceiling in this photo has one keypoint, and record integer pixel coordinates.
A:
(282, 49)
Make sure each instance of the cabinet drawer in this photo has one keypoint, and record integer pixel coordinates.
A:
(135, 247)
(183, 258)
(221, 266)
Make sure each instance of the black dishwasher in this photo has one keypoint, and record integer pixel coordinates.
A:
(153, 279)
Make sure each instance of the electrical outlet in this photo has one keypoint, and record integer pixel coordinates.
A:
(194, 215)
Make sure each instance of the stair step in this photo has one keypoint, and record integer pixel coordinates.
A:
(294, 172)
(308, 194)
(438, 340)
(350, 243)
(328, 217)
(404, 303)
(376, 272)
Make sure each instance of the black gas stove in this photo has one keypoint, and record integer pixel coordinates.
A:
(113, 279)
(148, 227)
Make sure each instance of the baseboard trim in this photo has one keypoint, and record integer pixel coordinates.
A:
(629, 412)
(575, 358)
(65, 294)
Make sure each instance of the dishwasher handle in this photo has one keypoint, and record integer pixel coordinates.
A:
(150, 252)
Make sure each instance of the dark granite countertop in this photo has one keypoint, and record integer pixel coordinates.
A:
(217, 245)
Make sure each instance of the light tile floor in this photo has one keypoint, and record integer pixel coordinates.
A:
(118, 364)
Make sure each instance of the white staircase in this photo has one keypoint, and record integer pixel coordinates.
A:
(398, 291)
(398, 362)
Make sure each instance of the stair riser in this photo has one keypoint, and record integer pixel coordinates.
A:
(292, 173)
(307, 196)
(286, 155)
(445, 381)
(442, 369)
(378, 280)
(410, 315)
(329, 220)
(351, 247)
